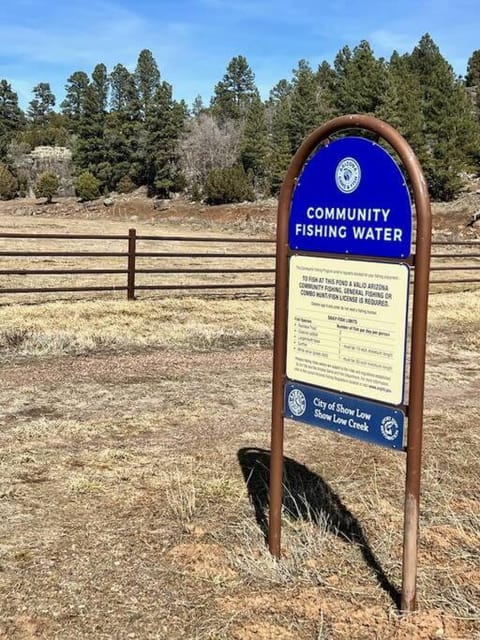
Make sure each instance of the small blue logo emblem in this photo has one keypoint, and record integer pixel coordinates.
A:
(297, 403)
(347, 175)
(389, 428)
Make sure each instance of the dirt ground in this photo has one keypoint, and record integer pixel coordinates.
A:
(451, 220)
(134, 464)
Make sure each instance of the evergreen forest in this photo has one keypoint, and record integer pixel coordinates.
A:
(125, 129)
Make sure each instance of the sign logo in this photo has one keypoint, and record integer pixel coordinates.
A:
(389, 428)
(297, 403)
(347, 175)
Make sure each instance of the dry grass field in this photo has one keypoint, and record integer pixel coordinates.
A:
(134, 443)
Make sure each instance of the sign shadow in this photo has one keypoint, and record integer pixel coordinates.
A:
(308, 497)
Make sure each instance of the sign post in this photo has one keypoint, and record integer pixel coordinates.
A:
(341, 304)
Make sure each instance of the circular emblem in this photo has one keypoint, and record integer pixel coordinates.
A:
(297, 403)
(389, 428)
(347, 175)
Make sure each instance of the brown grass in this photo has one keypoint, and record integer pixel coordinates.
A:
(124, 511)
(85, 327)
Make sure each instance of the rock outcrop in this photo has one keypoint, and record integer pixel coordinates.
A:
(57, 160)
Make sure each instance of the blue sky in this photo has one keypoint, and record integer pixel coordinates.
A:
(193, 40)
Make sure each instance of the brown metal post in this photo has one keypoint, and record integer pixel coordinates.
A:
(418, 346)
(132, 244)
(280, 353)
(279, 364)
(416, 392)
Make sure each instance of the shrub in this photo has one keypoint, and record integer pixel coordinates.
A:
(125, 185)
(47, 186)
(228, 185)
(22, 186)
(195, 192)
(8, 183)
(87, 187)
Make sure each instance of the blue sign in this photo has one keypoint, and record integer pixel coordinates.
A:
(355, 417)
(351, 198)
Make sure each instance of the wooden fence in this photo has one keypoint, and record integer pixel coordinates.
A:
(182, 263)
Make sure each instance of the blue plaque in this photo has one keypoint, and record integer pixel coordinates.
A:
(354, 417)
(351, 198)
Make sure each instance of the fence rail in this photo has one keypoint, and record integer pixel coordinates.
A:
(460, 265)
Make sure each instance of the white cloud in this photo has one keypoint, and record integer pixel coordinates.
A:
(65, 37)
(87, 34)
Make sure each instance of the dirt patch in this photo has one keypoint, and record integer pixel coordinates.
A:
(126, 504)
(207, 561)
(138, 208)
(450, 220)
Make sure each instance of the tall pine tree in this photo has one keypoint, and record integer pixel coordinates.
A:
(44, 126)
(360, 80)
(473, 70)
(11, 116)
(41, 107)
(235, 92)
(306, 106)
(472, 81)
(450, 130)
(123, 127)
(90, 152)
(164, 124)
(402, 103)
(254, 144)
(147, 79)
(75, 95)
(280, 154)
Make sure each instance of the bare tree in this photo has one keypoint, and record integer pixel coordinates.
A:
(206, 146)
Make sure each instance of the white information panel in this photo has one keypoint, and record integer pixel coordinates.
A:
(347, 323)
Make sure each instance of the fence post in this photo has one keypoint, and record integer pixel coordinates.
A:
(132, 243)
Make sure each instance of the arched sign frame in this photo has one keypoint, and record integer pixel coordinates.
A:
(414, 408)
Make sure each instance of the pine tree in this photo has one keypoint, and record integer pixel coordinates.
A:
(325, 78)
(280, 152)
(41, 107)
(472, 81)
(280, 91)
(254, 143)
(44, 126)
(198, 107)
(164, 125)
(233, 95)
(100, 86)
(73, 105)
(325, 75)
(402, 103)
(122, 127)
(473, 70)
(122, 88)
(147, 79)
(90, 152)
(360, 80)
(450, 130)
(11, 116)
(305, 113)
